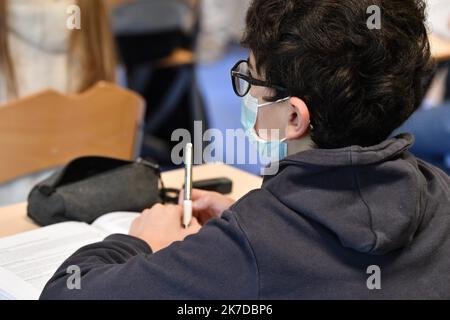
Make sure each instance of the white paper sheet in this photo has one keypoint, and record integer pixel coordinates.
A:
(33, 257)
(116, 222)
(28, 260)
(14, 288)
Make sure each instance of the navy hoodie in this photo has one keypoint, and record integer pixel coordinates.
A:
(316, 230)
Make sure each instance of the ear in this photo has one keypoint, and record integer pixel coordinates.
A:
(298, 119)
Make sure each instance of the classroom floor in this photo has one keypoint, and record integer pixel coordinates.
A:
(223, 106)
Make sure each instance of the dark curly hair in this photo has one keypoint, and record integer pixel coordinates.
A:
(359, 84)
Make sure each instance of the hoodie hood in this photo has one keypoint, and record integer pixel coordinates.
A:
(371, 198)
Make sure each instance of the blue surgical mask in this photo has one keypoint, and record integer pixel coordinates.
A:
(274, 150)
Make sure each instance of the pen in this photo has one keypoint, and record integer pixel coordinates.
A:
(187, 204)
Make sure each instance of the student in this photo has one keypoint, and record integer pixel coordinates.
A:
(353, 205)
(38, 51)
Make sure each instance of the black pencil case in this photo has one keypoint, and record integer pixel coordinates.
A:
(89, 187)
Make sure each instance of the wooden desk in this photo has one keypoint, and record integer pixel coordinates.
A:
(13, 219)
(440, 48)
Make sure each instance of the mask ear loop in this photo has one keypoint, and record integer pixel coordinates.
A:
(265, 105)
(311, 127)
(275, 102)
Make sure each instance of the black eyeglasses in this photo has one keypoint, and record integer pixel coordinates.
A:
(242, 80)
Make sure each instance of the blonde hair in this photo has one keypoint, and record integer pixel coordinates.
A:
(91, 48)
(6, 66)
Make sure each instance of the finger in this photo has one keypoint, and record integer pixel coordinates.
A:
(181, 197)
(173, 207)
(194, 221)
(198, 194)
(156, 207)
(134, 224)
(195, 194)
(204, 203)
(194, 225)
(175, 210)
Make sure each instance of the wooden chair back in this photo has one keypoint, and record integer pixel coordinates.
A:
(49, 129)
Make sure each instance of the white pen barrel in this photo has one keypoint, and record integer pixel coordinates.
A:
(188, 162)
(187, 213)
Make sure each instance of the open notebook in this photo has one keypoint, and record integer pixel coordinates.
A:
(28, 260)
